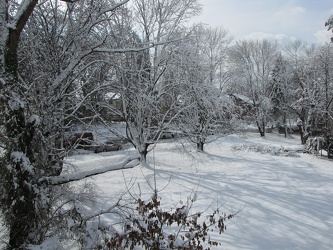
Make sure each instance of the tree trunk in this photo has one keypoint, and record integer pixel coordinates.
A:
(200, 146)
(285, 126)
(303, 134)
(143, 157)
(17, 172)
(329, 148)
(143, 152)
(261, 129)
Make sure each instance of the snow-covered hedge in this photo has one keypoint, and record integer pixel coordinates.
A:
(266, 149)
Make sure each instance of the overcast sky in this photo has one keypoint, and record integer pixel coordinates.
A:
(278, 19)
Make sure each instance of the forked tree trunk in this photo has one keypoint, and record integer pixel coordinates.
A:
(200, 146)
(261, 129)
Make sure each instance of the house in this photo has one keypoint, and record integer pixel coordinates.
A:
(244, 103)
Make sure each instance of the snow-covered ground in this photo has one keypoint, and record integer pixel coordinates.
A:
(285, 197)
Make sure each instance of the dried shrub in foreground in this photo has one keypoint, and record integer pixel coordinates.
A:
(151, 227)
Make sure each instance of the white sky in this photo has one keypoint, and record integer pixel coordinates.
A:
(270, 19)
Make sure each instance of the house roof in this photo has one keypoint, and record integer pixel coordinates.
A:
(243, 98)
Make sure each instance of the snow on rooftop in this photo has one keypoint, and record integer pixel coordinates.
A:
(243, 98)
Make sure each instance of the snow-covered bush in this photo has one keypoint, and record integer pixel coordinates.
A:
(266, 149)
(313, 145)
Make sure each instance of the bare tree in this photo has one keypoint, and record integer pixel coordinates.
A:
(31, 106)
(317, 98)
(325, 56)
(280, 93)
(207, 113)
(251, 63)
(306, 95)
(41, 97)
(145, 85)
(294, 52)
(212, 46)
(204, 108)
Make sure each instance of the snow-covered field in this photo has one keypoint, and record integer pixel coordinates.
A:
(285, 198)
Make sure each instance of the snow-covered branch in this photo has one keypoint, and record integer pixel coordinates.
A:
(58, 180)
(138, 49)
(23, 14)
(113, 8)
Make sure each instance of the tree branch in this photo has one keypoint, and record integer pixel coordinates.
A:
(23, 14)
(148, 46)
(63, 179)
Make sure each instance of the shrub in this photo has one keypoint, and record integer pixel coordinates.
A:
(152, 227)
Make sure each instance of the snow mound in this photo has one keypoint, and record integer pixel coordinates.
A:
(266, 149)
